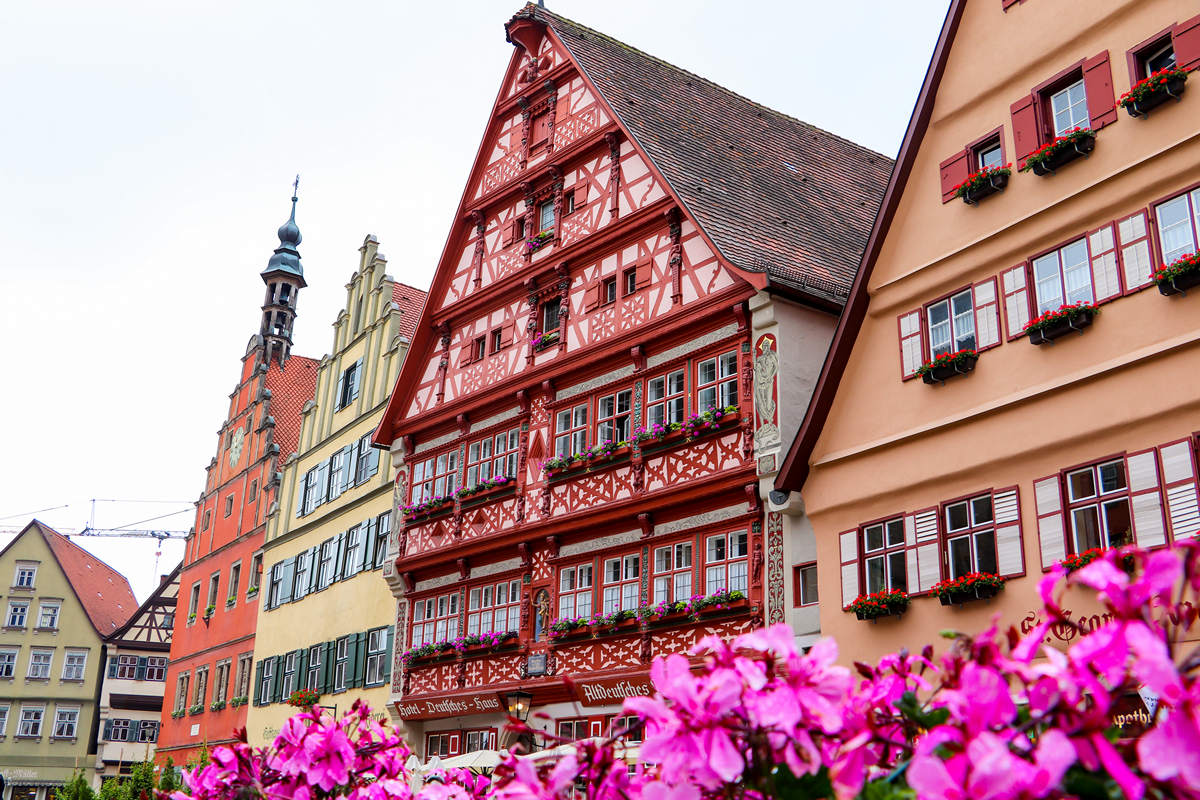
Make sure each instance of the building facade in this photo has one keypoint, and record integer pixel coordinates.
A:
(133, 686)
(60, 605)
(212, 646)
(1048, 436)
(327, 538)
(578, 429)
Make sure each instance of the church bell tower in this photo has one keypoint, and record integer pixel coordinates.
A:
(284, 277)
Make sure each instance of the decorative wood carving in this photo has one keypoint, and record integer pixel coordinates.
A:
(752, 501)
(552, 545)
(638, 355)
(410, 584)
(646, 523)
(443, 330)
(614, 173)
(464, 424)
(523, 549)
(740, 314)
(552, 101)
(464, 568)
(478, 220)
(675, 262)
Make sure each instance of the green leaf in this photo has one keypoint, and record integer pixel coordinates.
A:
(805, 787)
(1090, 786)
(883, 789)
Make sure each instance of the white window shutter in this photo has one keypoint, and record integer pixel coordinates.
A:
(1106, 281)
(928, 551)
(1179, 481)
(1052, 539)
(912, 563)
(1016, 300)
(1146, 499)
(1010, 547)
(987, 314)
(1136, 264)
(912, 345)
(849, 548)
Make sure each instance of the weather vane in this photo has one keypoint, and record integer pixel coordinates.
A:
(296, 187)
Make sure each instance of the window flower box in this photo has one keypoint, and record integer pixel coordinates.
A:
(436, 651)
(216, 705)
(594, 456)
(1063, 150)
(198, 708)
(985, 182)
(252, 592)
(489, 486)
(178, 714)
(888, 603)
(947, 365)
(208, 612)
(541, 341)
(974, 586)
(238, 702)
(538, 241)
(426, 507)
(304, 698)
(1057, 323)
(191, 618)
(1179, 276)
(1150, 93)
(711, 420)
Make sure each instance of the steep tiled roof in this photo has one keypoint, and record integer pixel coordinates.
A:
(103, 592)
(410, 300)
(773, 193)
(291, 387)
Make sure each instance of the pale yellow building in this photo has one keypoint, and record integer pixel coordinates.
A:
(326, 617)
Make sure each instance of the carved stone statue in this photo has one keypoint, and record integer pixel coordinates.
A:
(766, 366)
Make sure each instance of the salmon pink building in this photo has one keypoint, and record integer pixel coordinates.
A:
(1010, 385)
(632, 305)
(211, 657)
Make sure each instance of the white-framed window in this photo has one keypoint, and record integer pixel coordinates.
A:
(725, 562)
(118, 730)
(1069, 108)
(367, 463)
(66, 721)
(971, 537)
(1179, 225)
(341, 662)
(570, 431)
(613, 414)
(545, 216)
(315, 655)
(347, 388)
(951, 324)
(622, 583)
(665, 395)
(48, 615)
(383, 527)
(303, 574)
(493, 456)
(805, 576)
(3, 719)
(156, 668)
(8, 662)
(673, 573)
(266, 678)
(494, 608)
(181, 691)
(377, 666)
(437, 744)
(352, 561)
(18, 612)
(74, 665)
(989, 155)
(575, 591)
(1098, 503)
(289, 675)
(1062, 277)
(435, 619)
(39, 664)
(608, 290)
(26, 575)
(572, 729)
(148, 731)
(884, 557)
(717, 382)
(326, 557)
(435, 477)
(551, 314)
(31, 721)
(479, 740)
(235, 577)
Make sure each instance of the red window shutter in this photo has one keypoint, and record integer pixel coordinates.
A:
(540, 129)
(1010, 545)
(466, 355)
(644, 274)
(1141, 470)
(987, 314)
(1106, 280)
(848, 542)
(1016, 301)
(1137, 263)
(591, 296)
(954, 171)
(1185, 38)
(1025, 126)
(1007, 4)
(454, 741)
(1179, 485)
(1052, 535)
(510, 233)
(912, 343)
(581, 193)
(1097, 83)
(507, 330)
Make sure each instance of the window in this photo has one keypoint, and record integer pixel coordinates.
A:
(221, 684)
(1068, 109)
(494, 608)
(575, 591)
(497, 339)
(206, 520)
(18, 611)
(1062, 277)
(235, 577)
(1158, 56)
(127, 667)
(8, 663)
(228, 505)
(1178, 225)
(570, 431)
(156, 668)
(289, 673)
(275, 585)
(181, 691)
(631, 726)
(147, 731)
(48, 616)
(31, 721)
(493, 456)
(725, 562)
(435, 477)
(325, 563)
(436, 619)
(339, 473)
(951, 324)
(253, 493)
(313, 678)
(377, 657)
(479, 740)
(613, 415)
(194, 599)
(1098, 498)
(118, 730)
(352, 561)
(3, 719)
(201, 686)
(74, 665)
(804, 579)
(629, 280)
(569, 204)
(716, 382)
(213, 581)
(550, 314)
(621, 585)
(368, 460)
(971, 536)
(266, 679)
(573, 729)
(989, 155)
(168, 620)
(383, 526)
(245, 664)
(255, 571)
(312, 492)
(66, 720)
(478, 348)
(545, 213)
(26, 573)
(39, 664)
(883, 548)
(608, 289)
(347, 388)
(341, 661)
(437, 744)
(673, 573)
(664, 399)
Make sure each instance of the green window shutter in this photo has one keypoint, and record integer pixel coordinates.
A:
(301, 667)
(140, 674)
(112, 666)
(339, 556)
(387, 659)
(373, 457)
(368, 529)
(277, 680)
(258, 668)
(314, 572)
(358, 656)
(357, 379)
(327, 656)
(108, 730)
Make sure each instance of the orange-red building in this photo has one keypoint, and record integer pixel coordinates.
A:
(635, 247)
(210, 669)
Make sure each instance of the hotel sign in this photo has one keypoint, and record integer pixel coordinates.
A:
(450, 707)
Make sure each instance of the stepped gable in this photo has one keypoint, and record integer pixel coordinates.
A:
(411, 302)
(292, 385)
(774, 194)
(104, 593)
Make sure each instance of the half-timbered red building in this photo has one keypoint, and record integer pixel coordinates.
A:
(642, 267)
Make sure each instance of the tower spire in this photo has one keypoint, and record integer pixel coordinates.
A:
(284, 277)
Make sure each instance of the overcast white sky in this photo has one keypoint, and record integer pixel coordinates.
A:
(147, 152)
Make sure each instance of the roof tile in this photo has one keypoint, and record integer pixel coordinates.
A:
(291, 385)
(104, 592)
